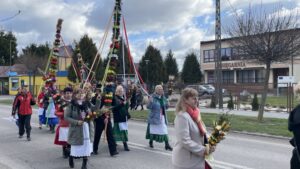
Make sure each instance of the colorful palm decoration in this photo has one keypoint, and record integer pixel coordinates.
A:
(50, 76)
(110, 76)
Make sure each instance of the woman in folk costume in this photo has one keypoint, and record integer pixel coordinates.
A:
(49, 109)
(121, 116)
(41, 108)
(81, 130)
(61, 136)
(189, 150)
(157, 120)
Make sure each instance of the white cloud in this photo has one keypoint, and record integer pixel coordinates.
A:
(167, 24)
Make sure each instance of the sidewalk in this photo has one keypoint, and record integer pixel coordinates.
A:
(280, 115)
(242, 112)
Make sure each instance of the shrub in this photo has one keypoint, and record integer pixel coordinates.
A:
(230, 104)
(254, 103)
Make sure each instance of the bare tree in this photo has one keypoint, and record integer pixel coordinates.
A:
(265, 38)
(33, 63)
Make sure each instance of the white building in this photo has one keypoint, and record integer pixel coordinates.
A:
(237, 71)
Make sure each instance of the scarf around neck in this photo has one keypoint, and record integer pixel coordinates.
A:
(195, 115)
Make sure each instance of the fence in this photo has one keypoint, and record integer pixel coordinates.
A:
(282, 99)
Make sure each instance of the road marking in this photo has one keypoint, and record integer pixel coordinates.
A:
(215, 163)
(260, 142)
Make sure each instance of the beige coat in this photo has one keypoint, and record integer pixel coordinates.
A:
(188, 152)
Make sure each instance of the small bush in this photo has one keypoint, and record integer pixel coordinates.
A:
(213, 102)
(230, 104)
(254, 103)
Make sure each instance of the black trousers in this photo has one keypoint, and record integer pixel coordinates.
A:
(295, 163)
(24, 123)
(99, 127)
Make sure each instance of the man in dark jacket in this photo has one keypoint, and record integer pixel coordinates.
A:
(23, 103)
(294, 126)
(100, 123)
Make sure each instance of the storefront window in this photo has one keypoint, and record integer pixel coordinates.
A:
(228, 76)
(246, 76)
(260, 75)
(14, 83)
(210, 77)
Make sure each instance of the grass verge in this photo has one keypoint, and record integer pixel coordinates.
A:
(270, 126)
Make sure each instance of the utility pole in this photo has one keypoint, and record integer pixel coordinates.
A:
(147, 61)
(217, 58)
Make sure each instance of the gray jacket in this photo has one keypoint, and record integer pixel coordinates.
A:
(188, 152)
(75, 135)
(155, 110)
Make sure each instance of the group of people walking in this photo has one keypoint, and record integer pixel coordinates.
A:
(79, 135)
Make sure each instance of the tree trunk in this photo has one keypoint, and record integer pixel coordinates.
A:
(264, 94)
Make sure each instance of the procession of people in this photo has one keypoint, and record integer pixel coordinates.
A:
(79, 120)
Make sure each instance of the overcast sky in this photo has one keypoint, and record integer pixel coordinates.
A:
(178, 25)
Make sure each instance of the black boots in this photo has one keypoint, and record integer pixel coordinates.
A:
(167, 146)
(151, 143)
(66, 151)
(71, 162)
(84, 162)
(126, 146)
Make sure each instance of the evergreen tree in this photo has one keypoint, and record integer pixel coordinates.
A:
(191, 69)
(230, 104)
(255, 105)
(88, 51)
(152, 72)
(8, 48)
(171, 65)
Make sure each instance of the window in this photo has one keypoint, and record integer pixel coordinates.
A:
(228, 76)
(226, 54)
(14, 83)
(246, 76)
(209, 55)
(235, 54)
(210, 77)
(260, 75)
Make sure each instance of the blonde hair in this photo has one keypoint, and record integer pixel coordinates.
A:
(185, 94)
(158, 86)
(118, 89)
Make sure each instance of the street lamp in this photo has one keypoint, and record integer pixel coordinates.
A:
(147, 61)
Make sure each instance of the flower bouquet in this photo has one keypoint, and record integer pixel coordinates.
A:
(220, 129)
(91, 116)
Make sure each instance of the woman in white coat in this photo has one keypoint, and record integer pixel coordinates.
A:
(189, 150)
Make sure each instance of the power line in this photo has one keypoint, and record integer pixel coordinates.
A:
(11, 17)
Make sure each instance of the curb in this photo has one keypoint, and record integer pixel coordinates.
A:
(233, 131)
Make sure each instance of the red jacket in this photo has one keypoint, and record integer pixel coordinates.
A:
(60, 114)
(24, 102)
(40, 97)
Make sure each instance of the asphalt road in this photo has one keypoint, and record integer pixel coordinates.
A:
(237, 151)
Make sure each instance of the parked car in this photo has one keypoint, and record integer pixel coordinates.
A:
(202, 90)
